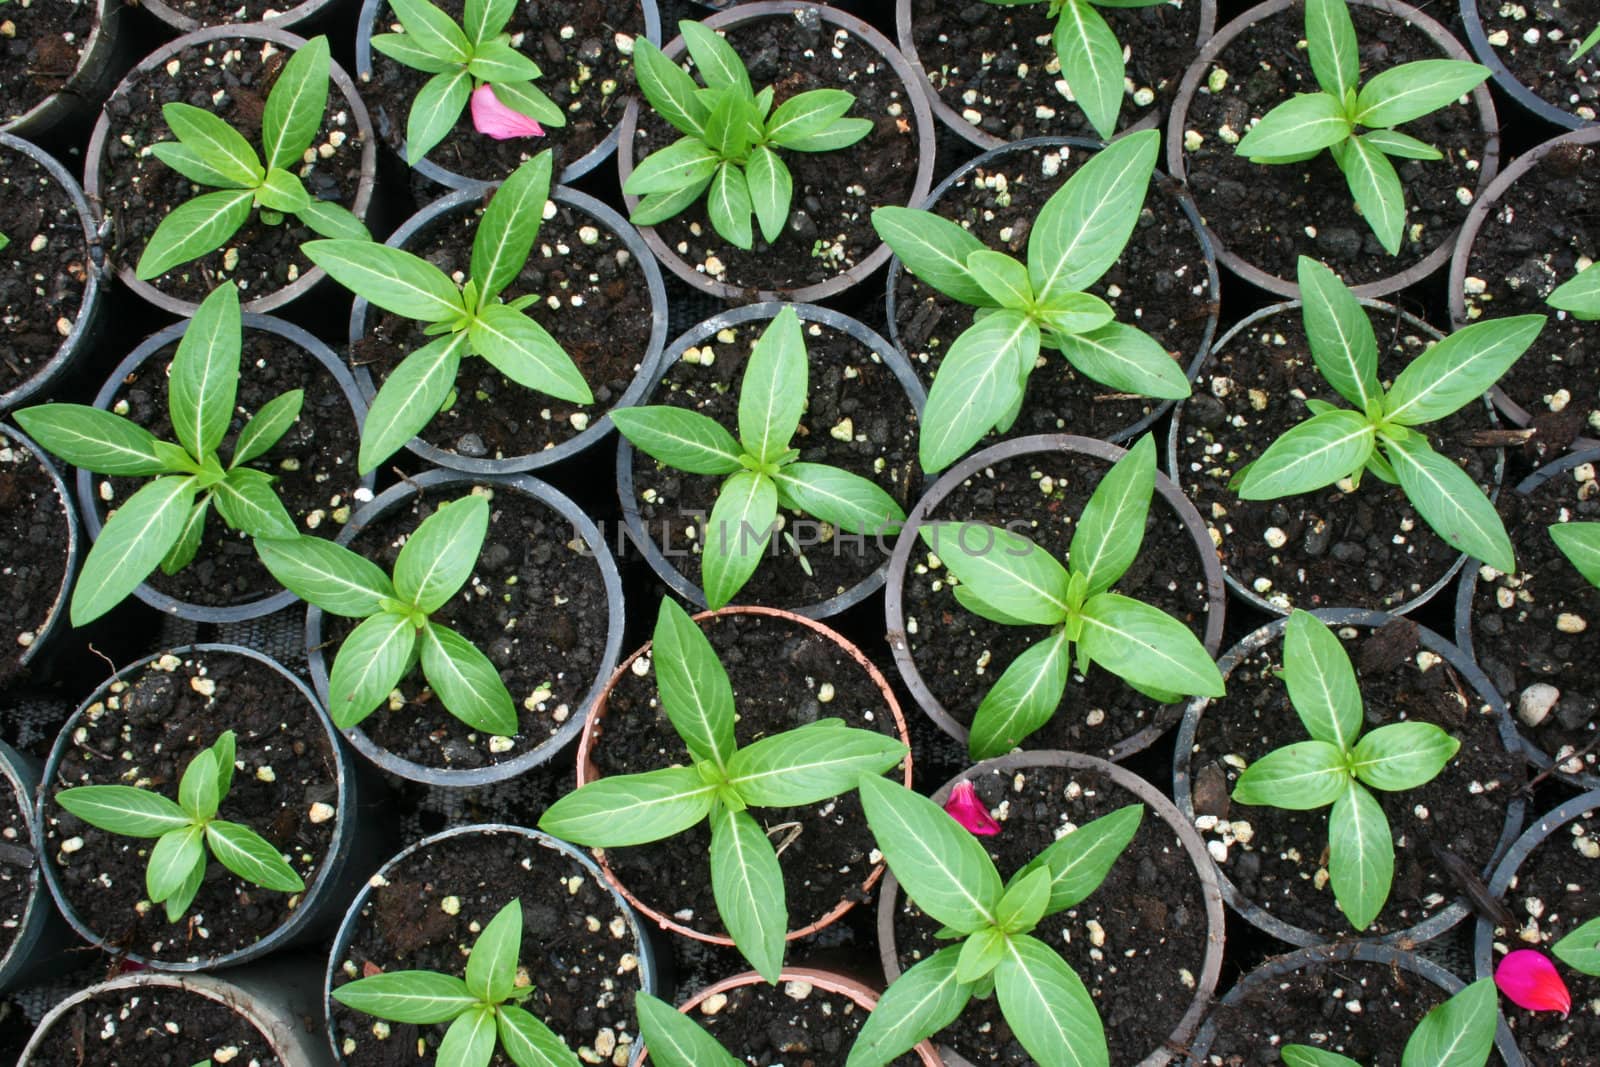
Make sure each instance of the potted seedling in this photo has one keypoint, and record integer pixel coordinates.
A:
(1078, 235)
(1457, 1033)
(467, 319)
(1539, 60)
(796, 767)
(762, 470)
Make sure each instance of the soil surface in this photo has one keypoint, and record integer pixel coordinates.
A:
(152, 1025)
(33, 546)
(283, 788)
(1530, 628)
(959, 655)
(1330, 548)
(1160, 284)
(223, 12)
(1278, 859)
(231, 78)
(1148, 918)
(535, 606)
(1535, 42)
(784, 676)
(830, 221)
(47, 268)
(593, 300)
(858, 418)
(314, 463)
(582, 47)
(1271, 215)
(1015, 89)
(426, 912)
(43, 54)
(18, 865)
(796, 1022)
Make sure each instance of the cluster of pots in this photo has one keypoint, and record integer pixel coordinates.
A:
(411, 830)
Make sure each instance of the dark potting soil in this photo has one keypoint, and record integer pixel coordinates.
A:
(1138, 942)
(230, 78)
(47, 268)
(18, 864)
(830, 221)
(796, 1022)
(857, 418)
(1271, 215)
(427, 911)
(960, 655)
(782, 675)
(1535, 42)
(584, 50)
(152, 1025)
(1160, 284)
(314, 463)
(997, 68)
(1367, 548)
(593, 300)
(1533, 240)
(42, 53)
(1555, 891)
(1278, 859)
(223, 12)
(33, 544)
(1531, 628)
(535, 605)
(145, 731)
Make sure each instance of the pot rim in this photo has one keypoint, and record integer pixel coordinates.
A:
(1529, 100)
(299, 13)
(98, 50)
(52, 620)
(19, 776)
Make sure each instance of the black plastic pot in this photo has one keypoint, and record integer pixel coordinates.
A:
(74, 545)
(1524, 97)
(298, 17)
(41, 937)
(641, 537)
(93, 508)
(60, 117)
(466, 200)
(453, 482)
(1183, 778)
(908, 543)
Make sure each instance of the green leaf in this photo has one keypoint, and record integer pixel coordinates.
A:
(1579, 949)
(246, 501)
(418, 997)
(728, 206)
(1402, 755)
(728, 127)
(942, 867)
(492, 963)
(403, 48)
(1083, 227)
(1400, 145)
(1305, 122)
(135, 539)
(683, 439)
(197, 168)
(1412, 90)
(391, 278)
(509, 226)
(223, 750)
(497, 61)
(1343, 343)
(197, 789)
(771, 189)
(1459, 369)
(437, 559)
(526, 99)
(1315, 453)
(529, 1042)
(219, 146)
(1003, 568)
(837, 497)
(1303, 776)
(1459, 1032)
(1091, 63)
(282, 192)
(330, 576)
(295, 105)
(669, 91)
(1146, 646)
(191, 230)
(980, 954)
(174, 856)
(433, 29)
(178, 900)
(1110, 532)
(204, 377)
(1080, 861)
(1375, 184)
(525, 352)
(184, 549)
(1451, 503)
(695, 691)
(411, 395)
(267, 427)
(1579, 294)
(435, 110)
(1050, 1012)
(841, 134)
(719, 65)
(1127, 359)
(1307, 1056)
(370, 663)
(122, 809)
(327, 219)
(1321, 681)
(772, 396)
(807, 114)
(482, 20)
(737, 534)
(1003, 278)
(975, 384)
(794, 768)
(470, 1040)
(686, 162)
(748, 885)
(95, 440)
(1073, 313)
(1024, 902)
(658, 207)
(1580, 543)
(920, 1003)
(631, 809)
(1331, 36)
(934, 249)
(675, 1040)
(250, 856)
(1360, 855)
(466, 682)
(975, 604)
(1022, 699)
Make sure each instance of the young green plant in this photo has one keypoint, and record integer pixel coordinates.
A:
(211, 153)
(798, 767)
(1302, 126)
(1585, 45)
(162, 523)
(948, 875)
(1007, 579)
(1379, 434)
(1339, 766)
(484, 1008)
(1579, 295)
(461, 57)
(763, 471)
(464, 320)
(1457, 1033)
(731, 135)
(396, 631)
(185, 830)
(1079, 233)
(675, 1040)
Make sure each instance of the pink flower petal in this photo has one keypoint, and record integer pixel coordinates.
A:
(1532, 982)
(492, 117)
(965, 808)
